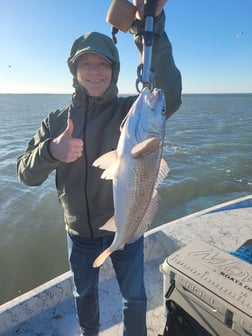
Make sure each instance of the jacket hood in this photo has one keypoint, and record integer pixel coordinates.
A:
(95, 43)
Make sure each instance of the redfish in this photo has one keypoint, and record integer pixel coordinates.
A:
(136, 168)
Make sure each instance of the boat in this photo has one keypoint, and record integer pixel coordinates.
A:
(49, 309)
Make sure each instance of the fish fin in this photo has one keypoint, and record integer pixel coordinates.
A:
(145, 147)
(110, 225)
(104, 161)
(163, 171)
(147, 219)
(108, 161)
(102, 257)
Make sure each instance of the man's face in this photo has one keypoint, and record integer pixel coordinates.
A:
(94, 73)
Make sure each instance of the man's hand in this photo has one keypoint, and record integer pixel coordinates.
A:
(65, 148)
(140, 8)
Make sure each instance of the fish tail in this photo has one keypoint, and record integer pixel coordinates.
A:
(102, 257)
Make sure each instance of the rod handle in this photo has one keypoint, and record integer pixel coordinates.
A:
(150, 8)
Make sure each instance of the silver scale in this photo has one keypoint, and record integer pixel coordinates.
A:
(212, 286)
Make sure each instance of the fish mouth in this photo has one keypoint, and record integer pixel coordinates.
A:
(155, 96)
(152, 102)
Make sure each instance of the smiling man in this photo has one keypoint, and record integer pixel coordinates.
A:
(94, 72)
(70, 140)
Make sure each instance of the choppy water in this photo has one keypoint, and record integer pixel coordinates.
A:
(208, 147)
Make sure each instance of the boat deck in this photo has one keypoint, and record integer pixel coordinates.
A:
(60, 319)
(49, 309)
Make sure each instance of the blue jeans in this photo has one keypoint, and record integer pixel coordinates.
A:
(129, 268)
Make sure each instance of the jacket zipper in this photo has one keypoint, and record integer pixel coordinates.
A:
(86, 168)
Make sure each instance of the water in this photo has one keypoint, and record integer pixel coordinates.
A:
(208, 148)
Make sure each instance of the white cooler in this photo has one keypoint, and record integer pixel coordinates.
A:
(212, 286)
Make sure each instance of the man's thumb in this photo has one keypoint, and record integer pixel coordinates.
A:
(70, 127)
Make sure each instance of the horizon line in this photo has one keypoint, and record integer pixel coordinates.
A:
(127, 93)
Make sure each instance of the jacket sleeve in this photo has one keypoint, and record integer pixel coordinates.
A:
(167, 75)
(36, 163)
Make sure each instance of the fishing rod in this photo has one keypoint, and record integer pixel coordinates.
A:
(145, 74)
(121, 15)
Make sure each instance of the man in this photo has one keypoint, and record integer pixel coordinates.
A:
(71, 139)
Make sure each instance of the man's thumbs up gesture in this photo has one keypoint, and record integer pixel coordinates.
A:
(65, 148)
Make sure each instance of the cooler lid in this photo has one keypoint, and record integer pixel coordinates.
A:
(223, 274)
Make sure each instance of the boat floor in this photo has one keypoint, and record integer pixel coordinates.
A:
(60, 320)
(49, 309)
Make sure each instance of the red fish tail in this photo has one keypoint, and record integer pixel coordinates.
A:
(102, 257)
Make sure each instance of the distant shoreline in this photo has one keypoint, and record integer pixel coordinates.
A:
(124, 94)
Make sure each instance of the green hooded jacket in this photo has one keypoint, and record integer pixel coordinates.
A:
(87, 199)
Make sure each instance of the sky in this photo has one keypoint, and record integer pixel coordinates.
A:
(211, 39)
